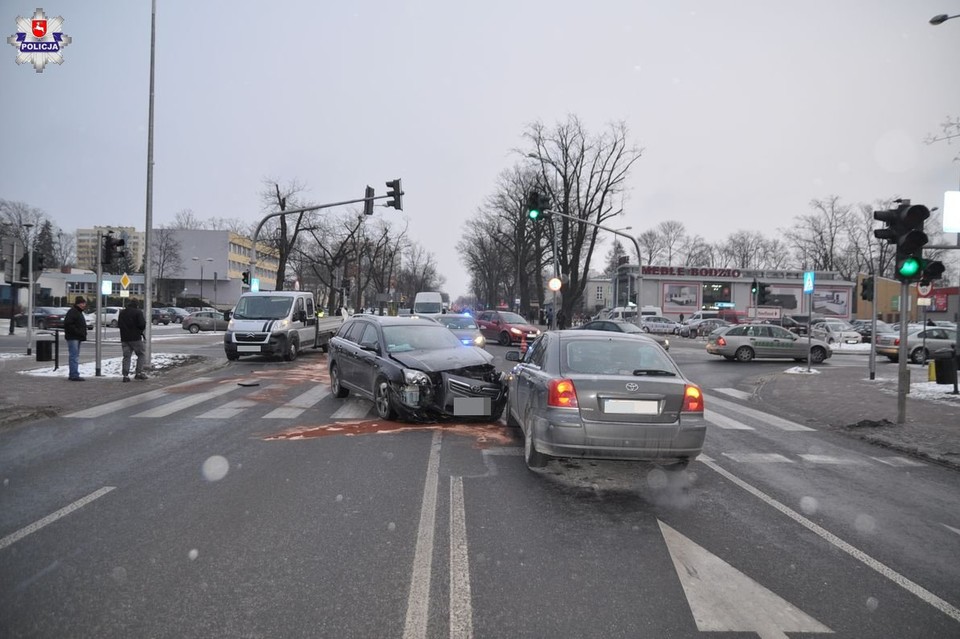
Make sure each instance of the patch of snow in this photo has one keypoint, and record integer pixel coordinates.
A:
(113, 367)
(801, 370)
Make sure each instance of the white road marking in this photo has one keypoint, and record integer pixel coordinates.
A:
(911, 587)
(951, 528)
(723, 599)
(186, 402)
(461, 613)
(758, 458)
(49, 519)
(733, 392)
(511, 451)
(767, 418)
(228, 410)
(721, 421)
(418, 599)
(103, 409)
(352, 408)
(296, 406)
(829, 459)
(899, 461)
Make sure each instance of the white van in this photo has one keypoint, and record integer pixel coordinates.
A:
(272, 323)
(620, 313)
(428, 302)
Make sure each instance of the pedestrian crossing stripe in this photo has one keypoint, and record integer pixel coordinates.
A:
(829, 459)
(296, 406)
(759, 458)
(135, 400)
(766, 418)
(165, 410)
(733, 392)
(721, 421)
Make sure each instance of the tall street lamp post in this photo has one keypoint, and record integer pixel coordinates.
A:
(202, 260)
(29, 226)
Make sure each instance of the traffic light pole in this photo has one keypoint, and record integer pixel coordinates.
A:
(98, 323)
(873, 328)
(903, 373)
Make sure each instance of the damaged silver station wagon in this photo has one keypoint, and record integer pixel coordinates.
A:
(414, 369)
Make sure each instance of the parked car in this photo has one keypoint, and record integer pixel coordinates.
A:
(43, 317)
(414, 369)
(176, 314)
(835, 331)
(745, 342)
(621, 326)
(160, 316)
(865, 328)
(506, 328)
(204, 321)
(603, 395)
(702, 327)
(791, 324)
(921, 342)
(658, 324)
(109, 316)
(464, 327)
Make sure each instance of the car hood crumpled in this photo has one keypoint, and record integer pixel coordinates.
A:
(445, 359)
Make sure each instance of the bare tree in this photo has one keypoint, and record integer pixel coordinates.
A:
(820, 238)
(743, 249)
(65, 249)
(582, 174)
(281, 233)
(166, 260)
(673, 235)
(651, 245)
(949, 129)
(187, 220)
(698, 252)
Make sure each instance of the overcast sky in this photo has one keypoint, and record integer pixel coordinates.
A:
(745, 110)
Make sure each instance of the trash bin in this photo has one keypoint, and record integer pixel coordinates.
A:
(945, 362)
(44, 343)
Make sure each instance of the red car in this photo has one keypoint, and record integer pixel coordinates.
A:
(505, 327)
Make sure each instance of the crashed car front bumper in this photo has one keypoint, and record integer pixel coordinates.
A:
(448, 395)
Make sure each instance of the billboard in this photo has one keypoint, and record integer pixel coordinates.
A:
(681, 297)
(831, 302)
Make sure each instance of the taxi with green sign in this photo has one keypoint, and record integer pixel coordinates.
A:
(746, 342)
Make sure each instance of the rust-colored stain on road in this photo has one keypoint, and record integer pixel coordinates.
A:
(487, 435)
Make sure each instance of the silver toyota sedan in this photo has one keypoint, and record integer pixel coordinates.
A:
(603, 395)
(746, 342)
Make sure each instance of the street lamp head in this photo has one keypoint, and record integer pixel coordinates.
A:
(940, 19)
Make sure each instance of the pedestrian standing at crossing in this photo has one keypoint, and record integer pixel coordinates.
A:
(132, 324)
(75, 331)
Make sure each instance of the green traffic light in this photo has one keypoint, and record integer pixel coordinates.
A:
(534, 214)
(909, 267)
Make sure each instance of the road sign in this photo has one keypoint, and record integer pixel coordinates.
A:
(924, 289)
(125, 281)
(925, 301)
(808, 282)
(255, 285)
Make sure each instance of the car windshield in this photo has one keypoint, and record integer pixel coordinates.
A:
(512, 318)
(427, 337)
(613, 357)
(457, 322)
(627, 327)
(263, 307)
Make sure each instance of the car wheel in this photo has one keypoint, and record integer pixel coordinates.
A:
(335, 386)
(495, 415)
(919, 355)
(293, 347)
(511, 420)
(194, 328)
(675, 467)
(830, 340)
(817, 355)
(645, 329)
(381, 399)
(533, 457)
(42, 325)
(504, 339)
(113, 323)
(893, 359)
(233, 356)
(744, 354)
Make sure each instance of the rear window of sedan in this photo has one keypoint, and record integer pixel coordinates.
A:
(613, 357)
(457, 322)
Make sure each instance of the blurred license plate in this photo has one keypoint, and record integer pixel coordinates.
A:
(248, 349)
(632, 406)
(468, 406)
(852, 341)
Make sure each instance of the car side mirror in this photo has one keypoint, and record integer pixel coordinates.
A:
(512, 356)
(369, 346)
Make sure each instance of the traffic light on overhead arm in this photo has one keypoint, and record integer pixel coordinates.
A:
(754, 288)
(763, 294)
(395, 193)
(368, 201)
(538, 205)
(931, 271)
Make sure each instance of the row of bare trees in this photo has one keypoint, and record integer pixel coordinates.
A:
(509, 256)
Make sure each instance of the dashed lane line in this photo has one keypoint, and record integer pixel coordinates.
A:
(52, 517)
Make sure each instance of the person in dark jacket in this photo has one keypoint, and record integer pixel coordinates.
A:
(75, 331)
(132, 322)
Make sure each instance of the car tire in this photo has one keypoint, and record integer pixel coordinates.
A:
(381, 399)
(676, 466)
(511, 420)
(533, 457)
(292, 348)
(194, 328)
(504, 339)
(496, 414)
(233, 356)
(645, 329)
(817, 355)
(729, 358)
(113, 323)
(335, 386)
(919, 355)
(744, 354)
(41, 325)
(893, 359)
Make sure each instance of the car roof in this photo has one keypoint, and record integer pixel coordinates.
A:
(391, 320)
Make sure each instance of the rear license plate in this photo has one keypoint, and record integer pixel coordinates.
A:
(631, 407)
(851, 341)
(248, 349)
(471, 406)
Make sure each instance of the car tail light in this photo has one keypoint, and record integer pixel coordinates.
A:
(896, 342)
(721, 341)
(692, 400)
(562, 394)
